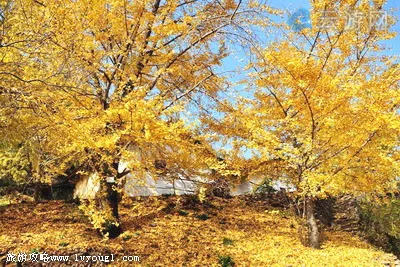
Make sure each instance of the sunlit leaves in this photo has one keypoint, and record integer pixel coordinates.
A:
(324, 106)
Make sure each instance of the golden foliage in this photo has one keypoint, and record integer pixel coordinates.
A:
(324, 110)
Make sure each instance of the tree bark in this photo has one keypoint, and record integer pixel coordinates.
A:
(314, 237)
(112, 197)
(36, 193)
(113, 229)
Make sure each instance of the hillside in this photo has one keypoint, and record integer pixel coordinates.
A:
(171, 231)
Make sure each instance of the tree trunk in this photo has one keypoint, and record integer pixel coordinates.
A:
(112, 197)
(314, 237)
(113, 229)
(36, 193)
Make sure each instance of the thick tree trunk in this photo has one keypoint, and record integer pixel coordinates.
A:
(111, 227)
(112, 197)
(113, 230)
(314, 237)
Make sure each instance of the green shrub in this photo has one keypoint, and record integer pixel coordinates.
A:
(380, 223)
(265, 187)
(226, 261)
(63, 244)
(203, 217)
(34, 250)
(183, 212)
(227, 241)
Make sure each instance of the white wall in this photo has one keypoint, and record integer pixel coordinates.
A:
(88, 186)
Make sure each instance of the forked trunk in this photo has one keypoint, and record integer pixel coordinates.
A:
(314, 237)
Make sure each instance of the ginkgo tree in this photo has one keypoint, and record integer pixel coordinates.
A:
(20, 154)
(91, 83)
(324, 112)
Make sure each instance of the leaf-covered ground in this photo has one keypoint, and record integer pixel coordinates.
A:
(178, 231)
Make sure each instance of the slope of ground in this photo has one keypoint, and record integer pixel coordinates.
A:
(178, 231)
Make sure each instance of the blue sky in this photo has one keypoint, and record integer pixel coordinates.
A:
(292, 6)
